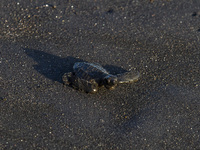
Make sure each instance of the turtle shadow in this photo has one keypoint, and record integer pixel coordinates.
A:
(53, 67)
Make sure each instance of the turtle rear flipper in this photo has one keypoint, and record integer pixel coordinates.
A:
(128, 77)
(67, 78)
(80, 84)
(86, 86)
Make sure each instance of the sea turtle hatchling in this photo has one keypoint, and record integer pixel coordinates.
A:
(89, 77)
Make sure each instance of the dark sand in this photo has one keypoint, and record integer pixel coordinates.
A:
(39, 43)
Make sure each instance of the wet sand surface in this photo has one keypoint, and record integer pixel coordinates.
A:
(41, 40)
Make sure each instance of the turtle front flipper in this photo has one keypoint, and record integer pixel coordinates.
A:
(128, 77)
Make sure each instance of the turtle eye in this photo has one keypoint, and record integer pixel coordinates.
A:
(108, 80)
(113, 81)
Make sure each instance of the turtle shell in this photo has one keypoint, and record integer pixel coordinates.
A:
(90, 71)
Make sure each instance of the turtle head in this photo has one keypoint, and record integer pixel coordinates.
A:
(110, 82)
